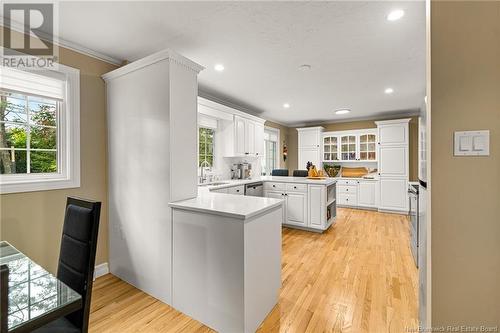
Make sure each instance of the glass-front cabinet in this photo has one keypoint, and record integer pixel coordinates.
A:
(330, 148)
(367, 147)
(350, 146)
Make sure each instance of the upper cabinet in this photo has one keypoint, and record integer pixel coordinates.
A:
(350, 146)
(242, 134)
(309, 146)
(248, 137)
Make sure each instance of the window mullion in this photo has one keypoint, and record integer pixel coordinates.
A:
(28, 137)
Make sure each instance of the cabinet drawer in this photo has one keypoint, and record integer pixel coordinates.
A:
(348, 182)
(346, 199)
(220, 190)
(275, 186)
(347, 189)
(240, 190)
(296, 188)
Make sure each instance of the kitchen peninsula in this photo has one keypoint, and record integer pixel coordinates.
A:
(226, 251)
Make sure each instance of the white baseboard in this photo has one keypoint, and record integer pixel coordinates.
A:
(101, 270)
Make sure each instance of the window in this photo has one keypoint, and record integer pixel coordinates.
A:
(270, 160)
(39, 130)
(28, 133)
(206, 147)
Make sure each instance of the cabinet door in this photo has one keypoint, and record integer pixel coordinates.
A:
(393, 134)
(250, 137)
(393, 194)
(296, 204)
(367, 147)
(309, 155)
(239, 135)
(393, 161)
(309, 139)
(330, 148)
(259, 139)
(348, 148)
(367, 193)
(317, 206)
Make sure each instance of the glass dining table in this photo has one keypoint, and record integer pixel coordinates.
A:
(35, 296)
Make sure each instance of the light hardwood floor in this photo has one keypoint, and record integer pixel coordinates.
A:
(358, 276)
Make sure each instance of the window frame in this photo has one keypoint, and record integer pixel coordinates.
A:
(213, 145)
(275, 131)
(68, 146)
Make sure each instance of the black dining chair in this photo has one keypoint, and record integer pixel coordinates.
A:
(4, 298)
(77, 261)
(300, 173)
(279, 172)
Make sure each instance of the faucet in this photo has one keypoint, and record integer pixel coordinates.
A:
(202, 176)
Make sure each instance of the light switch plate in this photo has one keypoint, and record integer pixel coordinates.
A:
(472, 143)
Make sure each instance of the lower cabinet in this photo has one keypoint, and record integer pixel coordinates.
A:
(295, 206)
(357, 193)
(367, 193)
(317, 204)
(393, 194)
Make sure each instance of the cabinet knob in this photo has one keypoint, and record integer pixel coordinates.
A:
(237, 190)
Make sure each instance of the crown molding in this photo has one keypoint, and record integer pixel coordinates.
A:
(169, 55)
(380, 117)
(56, 40)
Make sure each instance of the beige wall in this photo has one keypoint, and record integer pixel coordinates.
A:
(33, 221)
(293, 139)
(465, 190)
(283, 140)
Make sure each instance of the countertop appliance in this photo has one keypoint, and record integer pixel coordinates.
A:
(254, 189)
(413, 213)
(245, 170)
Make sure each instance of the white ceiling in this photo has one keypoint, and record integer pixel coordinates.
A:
(355, 53)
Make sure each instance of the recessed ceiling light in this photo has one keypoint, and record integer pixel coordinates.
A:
(395, 15)
(219, 67)
(342, 111)
(286, 105)
(305, 67)
(389, 91)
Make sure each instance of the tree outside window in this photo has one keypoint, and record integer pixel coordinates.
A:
(28, 134)
(205, 147)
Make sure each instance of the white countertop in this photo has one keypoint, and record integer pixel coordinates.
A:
(239, 206)
(230, 205)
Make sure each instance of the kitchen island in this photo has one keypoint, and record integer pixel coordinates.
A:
(310, 204)
(226, 270)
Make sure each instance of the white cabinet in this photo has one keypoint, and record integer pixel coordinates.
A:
(393, 161)
(309, 146)
(393, 146)
(296, 204)
(220, 190)
(367, 193)
(393, 194)
(238, 190)
(239, 135)
(350, 146)
(309, 155)
(317, 204)
(248, 137)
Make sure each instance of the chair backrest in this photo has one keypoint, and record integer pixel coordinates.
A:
(279, 172)
(77, 255)
(4, 298)
(300, 173)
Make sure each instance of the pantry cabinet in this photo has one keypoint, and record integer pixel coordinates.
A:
(393, 146)
(309, 146)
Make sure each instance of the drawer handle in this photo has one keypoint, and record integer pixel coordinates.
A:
(237, 190)
(295, 187)
(274, 185)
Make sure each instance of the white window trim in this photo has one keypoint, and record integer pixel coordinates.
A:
(68, 175)
(278, 144)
